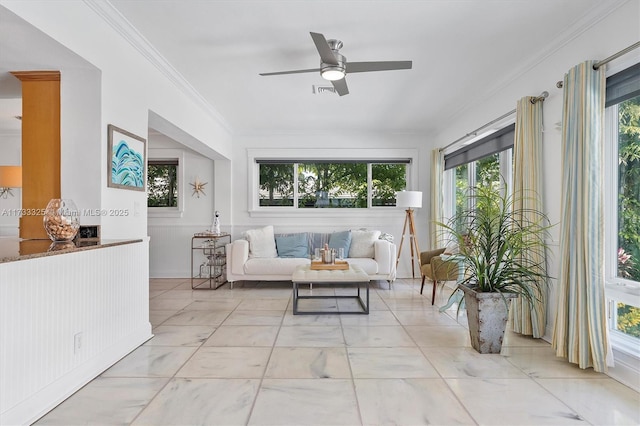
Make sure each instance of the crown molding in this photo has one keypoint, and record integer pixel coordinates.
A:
(259, 132)
(36, 75)
(122, 26)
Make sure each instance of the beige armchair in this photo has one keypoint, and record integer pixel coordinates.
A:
(432, 266)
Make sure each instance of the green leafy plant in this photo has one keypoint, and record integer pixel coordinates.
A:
(501, 243)
(629, 184)
(162, 188)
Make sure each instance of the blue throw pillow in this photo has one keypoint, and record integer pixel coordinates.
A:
(341, 240)
(292, 245)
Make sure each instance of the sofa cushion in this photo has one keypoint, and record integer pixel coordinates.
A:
(370, 266)
(292, 245)
(277, 266)
(261, 242)
(341, 240)
(362, 243)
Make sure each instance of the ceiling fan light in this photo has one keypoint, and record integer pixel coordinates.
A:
(332, 73)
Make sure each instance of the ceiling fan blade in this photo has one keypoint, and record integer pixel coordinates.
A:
(341, 86)
(378, 66)
(326, 54)
(290, 72)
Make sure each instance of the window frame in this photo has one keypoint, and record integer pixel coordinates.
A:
(366, 155)
(505, 159)
(169, 155)
(617, 289)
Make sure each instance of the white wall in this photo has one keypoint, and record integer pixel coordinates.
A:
(129, 94)
(80, 105)
(146, 89)
(81, 161)
(608, 36)
(328, 220)
(115, 85)
(611, 34)
(10, 155)
(94, 296)
(169, 248)
(130, 87)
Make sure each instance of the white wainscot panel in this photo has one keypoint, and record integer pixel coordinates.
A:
(170, 249)
(66, 318)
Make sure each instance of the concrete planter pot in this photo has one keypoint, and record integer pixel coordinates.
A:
(487, 315)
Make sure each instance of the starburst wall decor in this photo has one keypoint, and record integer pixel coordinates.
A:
(198, 188)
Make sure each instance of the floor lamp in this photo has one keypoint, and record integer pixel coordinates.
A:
(409, 200)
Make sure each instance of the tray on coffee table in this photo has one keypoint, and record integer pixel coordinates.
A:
(339, 265)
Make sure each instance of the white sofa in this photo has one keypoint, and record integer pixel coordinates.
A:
(245, 264)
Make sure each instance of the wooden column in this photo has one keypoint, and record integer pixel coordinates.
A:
(40, 147)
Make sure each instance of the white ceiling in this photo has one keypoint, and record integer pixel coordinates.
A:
(462, 51)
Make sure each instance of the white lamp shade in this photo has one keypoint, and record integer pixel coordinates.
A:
(11, 176)
(409, 199)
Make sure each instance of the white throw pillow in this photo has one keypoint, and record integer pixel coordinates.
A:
(362, 243)
(261, 242)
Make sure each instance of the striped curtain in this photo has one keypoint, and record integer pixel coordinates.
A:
(580, 332)
(437, 196)
(526, 318)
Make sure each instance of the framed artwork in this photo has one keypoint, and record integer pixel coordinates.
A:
(126, 160)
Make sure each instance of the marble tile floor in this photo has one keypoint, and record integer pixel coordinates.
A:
(239, 357)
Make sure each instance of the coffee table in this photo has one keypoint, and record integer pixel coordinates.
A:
(355, 276)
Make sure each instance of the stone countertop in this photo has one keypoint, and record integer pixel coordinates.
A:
(14, 249)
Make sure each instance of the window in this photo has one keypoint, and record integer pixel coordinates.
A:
(486, 162)
(328, 182)
(386, 180)
(628, 189)
(462, 184)
(304, 184)
(276, 185)
(165, 183)
(162, 183)
(623, 208)
(332, 185)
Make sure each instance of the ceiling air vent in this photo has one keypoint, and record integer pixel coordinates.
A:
(323, 90)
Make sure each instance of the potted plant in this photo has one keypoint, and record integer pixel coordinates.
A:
(502, 252)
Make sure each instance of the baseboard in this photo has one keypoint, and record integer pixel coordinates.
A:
(626, 370)
(169, 273)
(43, 401)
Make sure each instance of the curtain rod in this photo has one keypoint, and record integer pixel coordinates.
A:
(533, 100)
(598, 64)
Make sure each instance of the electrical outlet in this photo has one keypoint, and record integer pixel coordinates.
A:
(77, 343)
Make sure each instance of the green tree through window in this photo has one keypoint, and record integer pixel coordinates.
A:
(386, 180)
(333, 185)
(629, 188)
(276, 185)
(162, 183)
(330, 184)
(628, 317)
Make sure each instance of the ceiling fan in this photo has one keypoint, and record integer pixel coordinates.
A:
(334, 66)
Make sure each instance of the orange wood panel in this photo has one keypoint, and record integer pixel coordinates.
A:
(40, 147)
